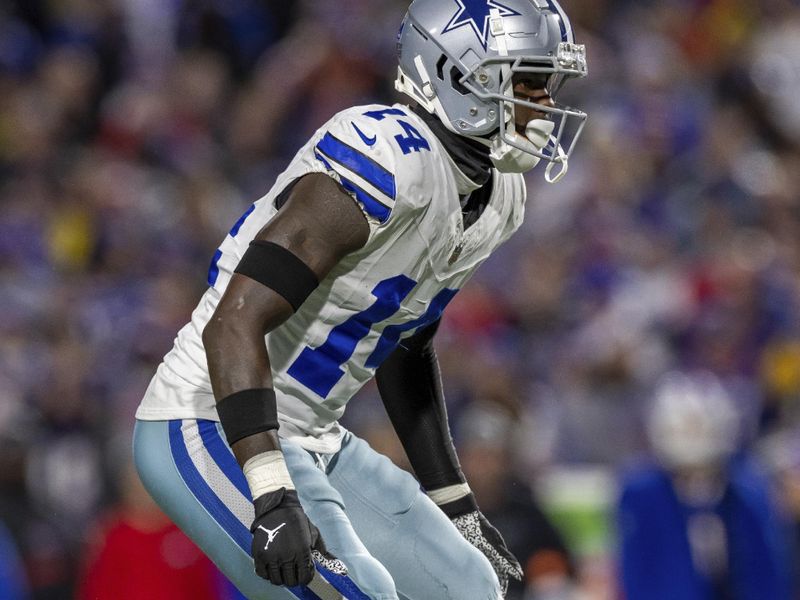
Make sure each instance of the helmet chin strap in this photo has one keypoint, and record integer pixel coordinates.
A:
(510, 159)
(538, 134)
(505, 157)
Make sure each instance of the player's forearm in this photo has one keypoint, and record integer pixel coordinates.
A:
(238, 362)
(239, 366)
(237, 356)
(410, 386)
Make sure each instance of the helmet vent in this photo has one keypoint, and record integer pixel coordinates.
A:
(440, 66)
(455, 76)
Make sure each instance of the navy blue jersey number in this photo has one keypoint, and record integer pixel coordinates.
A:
(412, 141)
(320, 368)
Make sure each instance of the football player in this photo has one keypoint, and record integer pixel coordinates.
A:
(341, 273)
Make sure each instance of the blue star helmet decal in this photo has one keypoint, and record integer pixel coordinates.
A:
(475, 13)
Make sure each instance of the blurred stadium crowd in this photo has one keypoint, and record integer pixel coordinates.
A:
(133, 133)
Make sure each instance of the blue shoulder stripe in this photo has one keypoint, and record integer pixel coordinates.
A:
(358, 163)
(372, 205)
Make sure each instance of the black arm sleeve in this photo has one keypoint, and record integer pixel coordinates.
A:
(411, 389)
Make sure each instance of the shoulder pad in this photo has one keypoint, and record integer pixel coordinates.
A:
(372, 151)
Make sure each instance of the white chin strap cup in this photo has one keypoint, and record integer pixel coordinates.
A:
(538, 134)
(510, 159)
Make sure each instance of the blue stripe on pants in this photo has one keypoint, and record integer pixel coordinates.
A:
(203, 492)
(392, 536)
(225, 460)
(215, 507)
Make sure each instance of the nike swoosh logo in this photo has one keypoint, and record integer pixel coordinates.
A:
(369, 141)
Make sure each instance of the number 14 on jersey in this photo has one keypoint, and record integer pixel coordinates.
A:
(412, 141)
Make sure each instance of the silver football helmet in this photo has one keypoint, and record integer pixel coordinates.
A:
(458, 58)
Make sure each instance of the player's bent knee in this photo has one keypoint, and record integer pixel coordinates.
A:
(477, 579)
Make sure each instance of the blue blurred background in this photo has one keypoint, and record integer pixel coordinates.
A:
(133, 133)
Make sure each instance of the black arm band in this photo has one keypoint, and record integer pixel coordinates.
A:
(247, 412)
(278, 269)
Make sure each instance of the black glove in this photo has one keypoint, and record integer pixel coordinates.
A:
(286, 543)
(471, 523)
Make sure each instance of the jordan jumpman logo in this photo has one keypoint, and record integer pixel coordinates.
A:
(271, 533)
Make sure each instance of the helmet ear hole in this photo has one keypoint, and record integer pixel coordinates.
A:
(440, 66)
(455, 76)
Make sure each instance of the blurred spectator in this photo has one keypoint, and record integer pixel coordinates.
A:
(701, 523)
(136, 552)
(781, 452)
(13, 584)
(488, 433)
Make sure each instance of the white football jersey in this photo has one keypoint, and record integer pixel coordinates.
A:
(417, 257)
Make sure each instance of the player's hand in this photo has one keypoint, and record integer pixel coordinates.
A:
(481, 534)
(286, 543)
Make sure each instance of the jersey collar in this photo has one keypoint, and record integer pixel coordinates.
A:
(470, 160)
